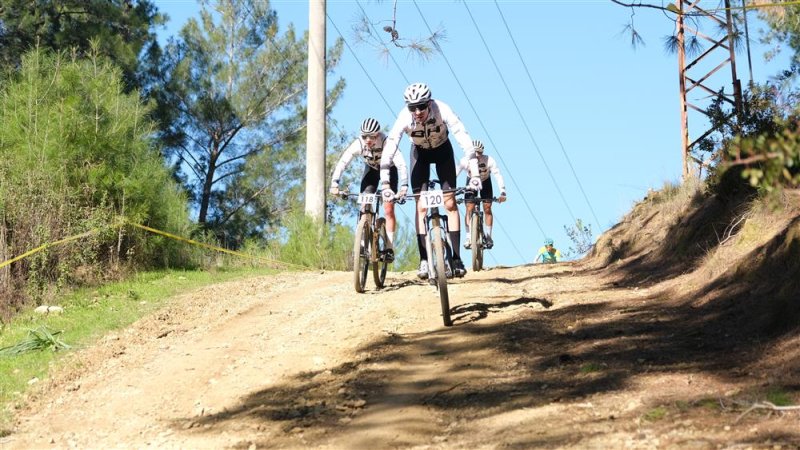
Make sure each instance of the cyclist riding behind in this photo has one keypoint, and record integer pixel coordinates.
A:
(486, 165)
(548, 254)
(370, 146)
(428, 123)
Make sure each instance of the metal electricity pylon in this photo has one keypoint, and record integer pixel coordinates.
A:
(696, 75)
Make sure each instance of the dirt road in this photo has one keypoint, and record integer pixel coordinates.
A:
(540, 357)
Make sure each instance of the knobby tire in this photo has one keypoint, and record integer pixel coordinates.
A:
(437, 245)
(475, 238)
(379, 265)
(361, 253)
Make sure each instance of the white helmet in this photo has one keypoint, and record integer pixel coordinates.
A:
(417, 93)
(477, 145)
(370, 125)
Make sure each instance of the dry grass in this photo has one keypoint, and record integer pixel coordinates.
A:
(713, 248)
(646, 224)
(753, 228)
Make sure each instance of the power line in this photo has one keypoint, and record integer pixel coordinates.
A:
(359, 62)
(502, 228)
(519, 112)
(547, 114)
(391, 112)
(469, 102)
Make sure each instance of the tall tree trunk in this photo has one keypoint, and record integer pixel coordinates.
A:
(205, 197)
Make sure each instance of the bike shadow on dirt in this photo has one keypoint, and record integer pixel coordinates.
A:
(390, 286)
(473, 312)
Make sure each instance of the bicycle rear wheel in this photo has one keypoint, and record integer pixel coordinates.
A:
(476, 241)
(438, 257)
(361, 253)
(379, 264)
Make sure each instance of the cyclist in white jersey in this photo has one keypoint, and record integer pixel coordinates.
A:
(370, 146)
(428, 123)
(486, 166)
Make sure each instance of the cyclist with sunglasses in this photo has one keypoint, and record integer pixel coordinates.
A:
(486, 166)
(428, 123)
(370, 146)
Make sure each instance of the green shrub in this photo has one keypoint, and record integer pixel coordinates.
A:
(76, 152)
(309, 244)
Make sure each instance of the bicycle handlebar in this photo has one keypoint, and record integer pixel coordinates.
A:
(402, 200)
(345, 195)
(456, 191)
(476, 200)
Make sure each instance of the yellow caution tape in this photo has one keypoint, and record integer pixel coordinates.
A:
(49, 244)
(213, 247)
(122, 222)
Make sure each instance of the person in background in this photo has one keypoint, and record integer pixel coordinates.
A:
(548, 253)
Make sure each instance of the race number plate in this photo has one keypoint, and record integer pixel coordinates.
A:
(432, 199)
(367, 199)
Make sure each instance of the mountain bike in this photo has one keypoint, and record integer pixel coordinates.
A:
(437, 243)
(369, 246)
(477, 235)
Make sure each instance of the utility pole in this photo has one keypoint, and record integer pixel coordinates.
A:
(722, 47)
(315, 118)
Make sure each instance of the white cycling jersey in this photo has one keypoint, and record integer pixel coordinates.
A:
(486, 165)
(428, 135)
(372, 157)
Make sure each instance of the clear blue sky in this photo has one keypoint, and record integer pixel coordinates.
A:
(614, 109)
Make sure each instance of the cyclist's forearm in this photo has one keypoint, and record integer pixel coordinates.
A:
(344, 160)
(500, 182)
(402, 169)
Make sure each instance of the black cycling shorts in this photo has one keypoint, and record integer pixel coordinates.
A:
(372, 177)
(421, 160)
(486, 190)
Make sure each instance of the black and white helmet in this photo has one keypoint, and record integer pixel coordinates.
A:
(478, 146)
(417, 93)
(370, 125)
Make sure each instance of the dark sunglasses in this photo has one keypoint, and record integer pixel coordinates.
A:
(370, 135)
(418, 107)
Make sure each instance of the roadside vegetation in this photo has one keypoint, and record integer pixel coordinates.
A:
(102, 130)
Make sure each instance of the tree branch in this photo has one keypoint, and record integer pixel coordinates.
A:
(766, 405)
(245, 203)
(753, 159)
(643, 5)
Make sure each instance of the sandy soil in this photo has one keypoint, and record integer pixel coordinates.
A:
(552, 356)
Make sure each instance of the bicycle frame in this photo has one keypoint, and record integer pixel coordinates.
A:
(366, 210)
(477, 210)
(435, 220)
(367, 249)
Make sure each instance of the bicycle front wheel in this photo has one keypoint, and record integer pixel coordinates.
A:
(476, 241)
(438, 258)
(379, 265)
(361, 253)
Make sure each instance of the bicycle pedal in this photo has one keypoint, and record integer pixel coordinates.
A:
(387, 256)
